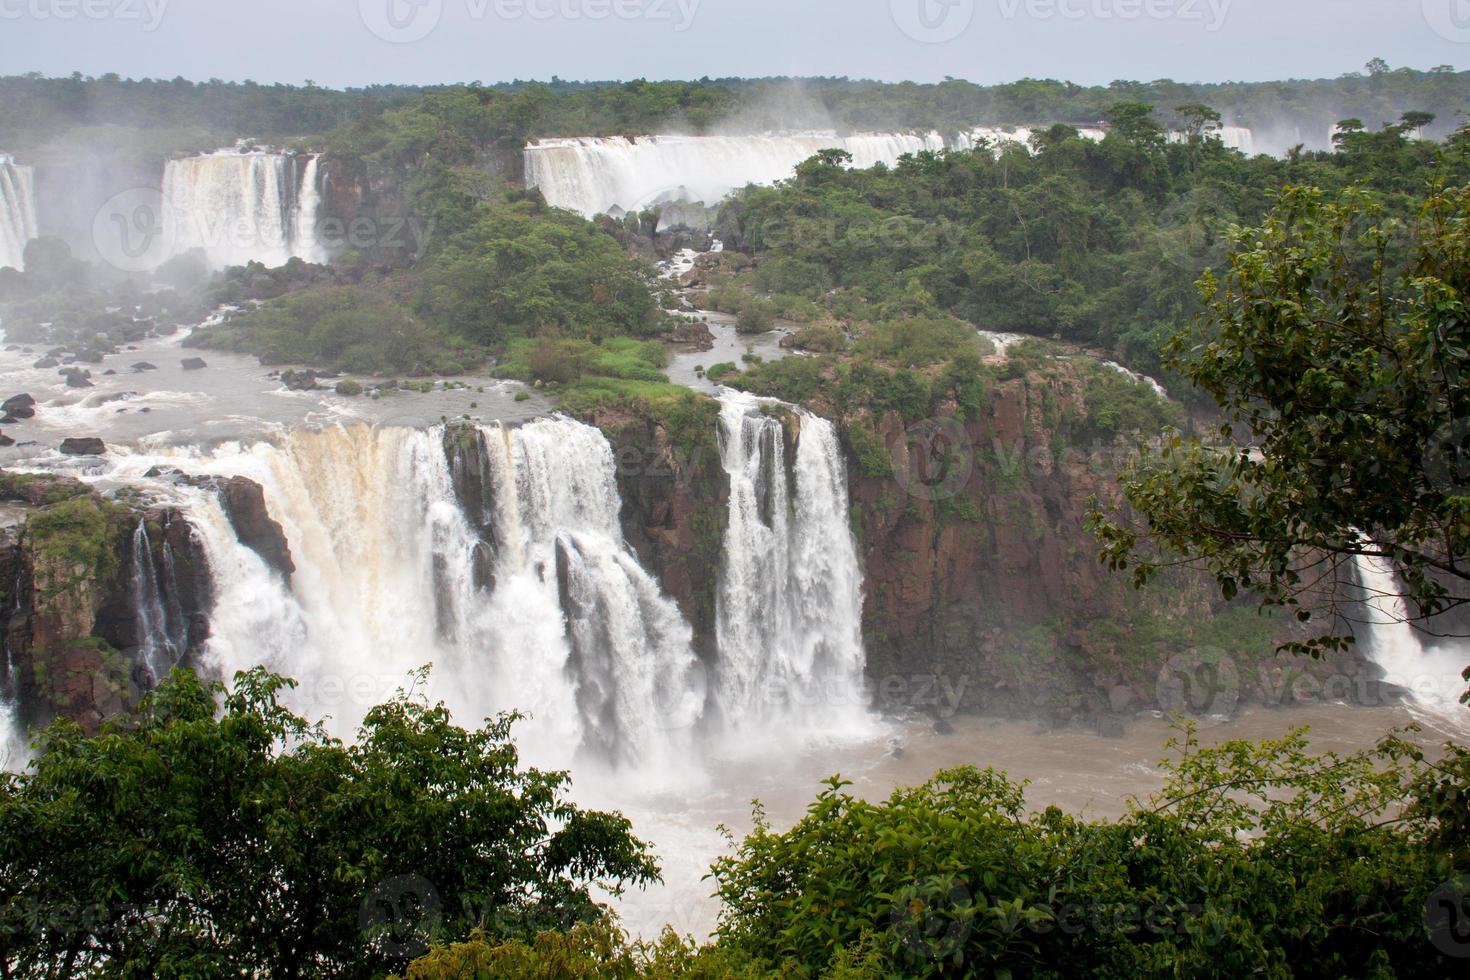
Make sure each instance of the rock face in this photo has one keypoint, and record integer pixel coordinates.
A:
(244, 502)
(70, 634)
(984, 575)
(675, 509)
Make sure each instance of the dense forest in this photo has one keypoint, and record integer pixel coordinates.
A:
(38, 108)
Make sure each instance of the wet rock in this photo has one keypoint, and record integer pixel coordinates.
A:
(78, 378)
(193, 364)
(83, 446)
(1110, 727)
(19, 407)
(46, 363)
(142, 366)
(697, 335)
(5, 441)
(299, 380)
(244, 503)
(42, 489)
(109, 371)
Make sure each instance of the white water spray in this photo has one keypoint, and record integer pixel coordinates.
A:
(17, 211)
(1431, 675)
(789, 613)
(596, 175)
(242, 205)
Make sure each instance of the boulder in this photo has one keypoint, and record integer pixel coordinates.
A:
(244, 502)
(696, 334)
(83, 446)
(46, 363)
(299, 380)
(19, 407)
(193, 364)
(78, 378)
(142, 366)
(5, 441)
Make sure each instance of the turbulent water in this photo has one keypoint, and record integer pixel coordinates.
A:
(789, 613)
(17, 211)
(594, 176)
(243, 205)
(1430, 673)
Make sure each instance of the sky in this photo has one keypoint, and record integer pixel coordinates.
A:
(340, 43)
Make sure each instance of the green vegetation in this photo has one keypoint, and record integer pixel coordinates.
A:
(1094, 243)
(205, 838)
(1335, 345)
(516, 270)
(79, 532)
(196, 839)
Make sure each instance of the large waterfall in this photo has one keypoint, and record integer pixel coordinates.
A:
(593, 176)
(789, 613)
(242, 205)
(17, 211)
(525, 599)
(1431, 674)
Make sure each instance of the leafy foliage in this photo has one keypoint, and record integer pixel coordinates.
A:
(198, 840)
(1335, 345)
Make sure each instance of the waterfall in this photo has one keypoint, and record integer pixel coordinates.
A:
(163, 636)
(594, 176)
(789, 609)
(1432, 675)
(17, 211)
(242, 205)
(305, 239)
(567, 627)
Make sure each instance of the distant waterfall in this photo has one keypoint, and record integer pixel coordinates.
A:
(597, 175)
(243, 205)
(17, 211)
(567, 627)
(789, 611)
(1431, 675)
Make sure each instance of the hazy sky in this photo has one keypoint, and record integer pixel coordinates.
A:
(353, 42)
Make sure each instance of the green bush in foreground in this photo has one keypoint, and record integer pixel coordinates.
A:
(194, 840)
(1254, 860)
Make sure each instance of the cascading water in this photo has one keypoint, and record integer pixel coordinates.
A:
(1432, 675)
(789, 611)
(243, 205)
(163, 637)
(594, 176)
(566, 627)
(17, 211)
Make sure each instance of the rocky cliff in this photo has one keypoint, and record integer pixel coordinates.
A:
(980, 571)
(102, 595)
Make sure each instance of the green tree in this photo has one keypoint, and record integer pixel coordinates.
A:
(1336, 345)
(193, 840)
